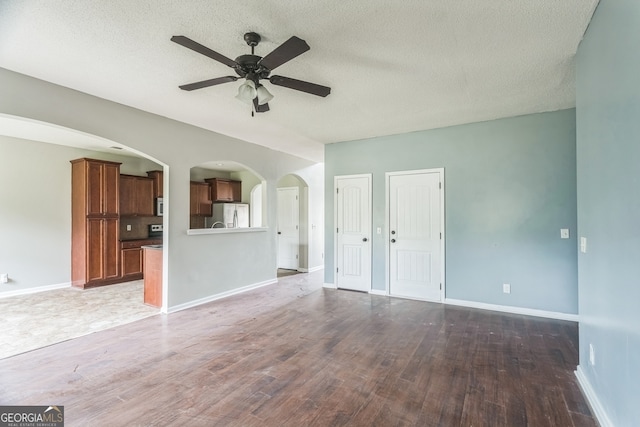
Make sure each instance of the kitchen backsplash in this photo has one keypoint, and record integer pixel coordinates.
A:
(139, 226)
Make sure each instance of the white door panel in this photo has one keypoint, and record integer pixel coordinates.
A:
(353, 233)
(288, 228)
(415, 235)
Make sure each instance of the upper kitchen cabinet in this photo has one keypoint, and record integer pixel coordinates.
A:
(200, 199)
(136, 196)
(225, 190)
(157, 177)
(96, 186)
(200, 204)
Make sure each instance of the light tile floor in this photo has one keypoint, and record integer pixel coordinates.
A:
(41, 319)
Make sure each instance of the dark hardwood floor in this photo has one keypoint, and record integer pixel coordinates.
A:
(294, 354)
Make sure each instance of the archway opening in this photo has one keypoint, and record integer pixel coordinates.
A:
(226, 194)
(293, 224)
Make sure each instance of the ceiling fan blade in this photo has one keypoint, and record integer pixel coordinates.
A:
(207, 83)
(285, 52)
(260, 108)
(188, 43)
(300, 85)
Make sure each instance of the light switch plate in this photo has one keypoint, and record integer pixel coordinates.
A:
(564, 233)
(583, 245)
(379, 230)
(506, 288)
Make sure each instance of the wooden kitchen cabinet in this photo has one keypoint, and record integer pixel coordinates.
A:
(200, 199)
(96, 186)
(136, 196)
(131, 257)
(103, 249)
(158, 183)
(131, 264)
(225, 190)
(95, 227)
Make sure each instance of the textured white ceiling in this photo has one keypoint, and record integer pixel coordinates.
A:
(393, 67)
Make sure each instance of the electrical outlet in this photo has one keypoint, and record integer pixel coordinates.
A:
(379, 230)
(564, 233)
(128, 227)
(592, 355)
(506, 288)
(4, 278)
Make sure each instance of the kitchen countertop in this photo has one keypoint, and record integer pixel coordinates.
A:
(159, 247)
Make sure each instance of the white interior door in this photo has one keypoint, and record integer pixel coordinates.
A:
(353, 233)
(415, 233)
(288, 228)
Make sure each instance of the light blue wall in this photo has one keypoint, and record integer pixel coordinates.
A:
(608, 164)
(509, 189)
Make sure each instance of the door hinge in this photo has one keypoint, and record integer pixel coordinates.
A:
(296, 197)
(297, 258)
(440, 236)
(337, 190)
(296, 227)
(440, 185)
(336, 269)
(337, 230)
(440, 286)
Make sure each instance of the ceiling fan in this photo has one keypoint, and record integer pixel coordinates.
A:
(254, 68)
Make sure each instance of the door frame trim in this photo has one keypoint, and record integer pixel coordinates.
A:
(387, 248)
(335, 224)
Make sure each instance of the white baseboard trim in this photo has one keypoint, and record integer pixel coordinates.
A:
(513, 310)
(329, 285)
(316, 268)
(378, 292)
(34, 290)
(592, 399)
(302, 270)
(221, 295)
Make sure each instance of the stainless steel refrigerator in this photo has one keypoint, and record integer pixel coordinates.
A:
(232, 215)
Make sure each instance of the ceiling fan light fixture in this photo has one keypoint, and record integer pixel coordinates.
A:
(247, 91)
(264, 95)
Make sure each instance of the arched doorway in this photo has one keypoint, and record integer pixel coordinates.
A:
(293, 224)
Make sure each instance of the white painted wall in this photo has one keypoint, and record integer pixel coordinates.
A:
(35, 209)
(199, 266)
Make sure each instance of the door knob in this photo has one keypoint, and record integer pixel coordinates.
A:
(364, 239)
(393, 232)
(393, 240)
(279, 232)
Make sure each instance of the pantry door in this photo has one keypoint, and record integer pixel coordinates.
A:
(353, 232)
(416, 232)
(288, 228)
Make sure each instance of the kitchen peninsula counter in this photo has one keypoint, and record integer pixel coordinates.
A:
(152, 275)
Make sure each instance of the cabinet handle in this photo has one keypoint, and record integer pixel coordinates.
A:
(393, 240)
(364, 239)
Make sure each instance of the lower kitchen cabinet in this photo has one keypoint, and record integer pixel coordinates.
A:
(131, 258)
(131, 264)
(102, 251)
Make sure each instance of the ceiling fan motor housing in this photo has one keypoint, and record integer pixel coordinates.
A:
(248, 64)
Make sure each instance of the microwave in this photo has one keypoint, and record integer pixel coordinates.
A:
(159, 206)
